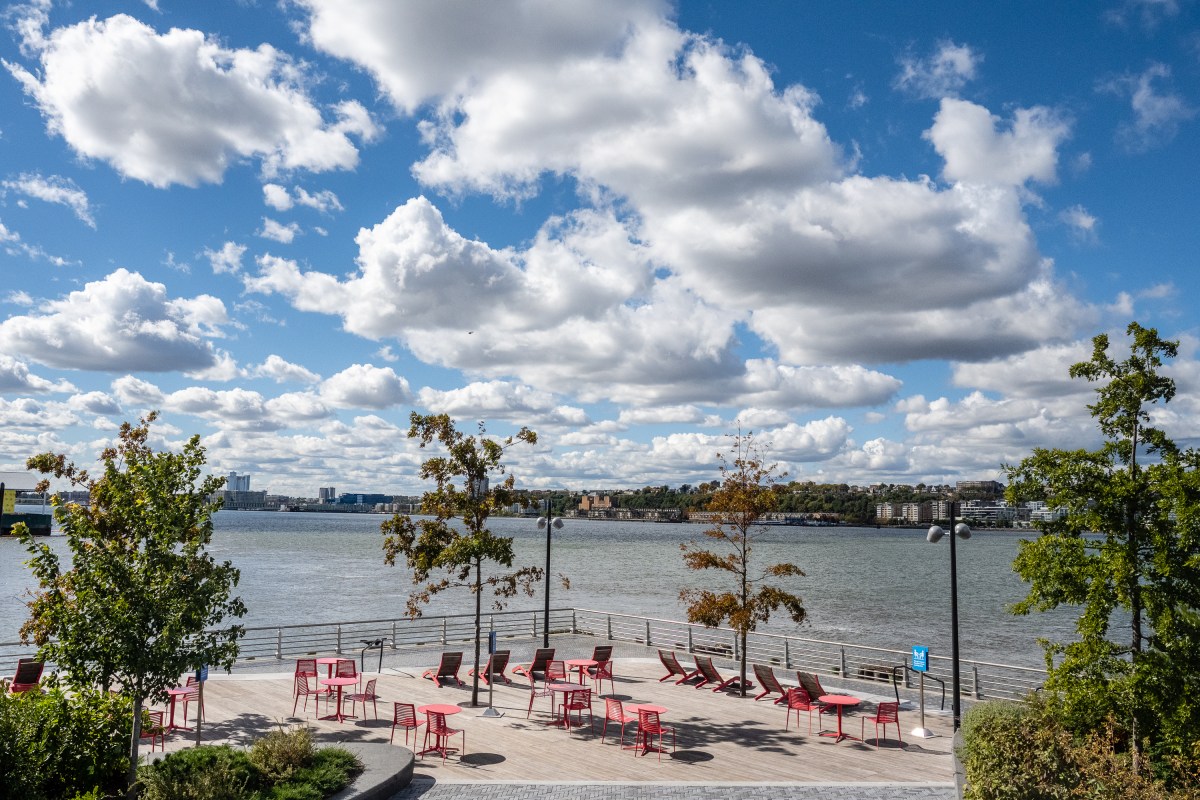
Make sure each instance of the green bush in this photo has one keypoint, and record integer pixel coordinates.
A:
(280, 753)
(54, 745)
(221, 772)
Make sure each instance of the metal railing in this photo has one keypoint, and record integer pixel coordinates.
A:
(981, 679)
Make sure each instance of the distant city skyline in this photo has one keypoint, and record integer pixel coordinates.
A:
(876, 235)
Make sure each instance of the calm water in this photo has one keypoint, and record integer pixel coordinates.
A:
(864, 586)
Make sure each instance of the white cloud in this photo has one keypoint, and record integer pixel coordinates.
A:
(277, 197)
(273, 229)
(661, 415)
(280, 370)
(365, 386)
(120, 323)
(1083, 225)
(502, 400)
(281, 199)
(226, 260)
(1157, 114)
(131, 391)
(178, 107)
(942, 74)
(55, 189)
(94, 403)
(15, 378)
(966, 136)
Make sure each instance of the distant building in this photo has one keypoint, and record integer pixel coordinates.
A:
(327, 494)
(243, 500)
(885, 512)
(237, 483)
(980, 488)
(348, 499)
(916, 513)
(595, 502)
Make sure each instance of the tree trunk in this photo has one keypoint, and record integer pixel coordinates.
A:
(1135, 608)
(478, 630)
(134, 740)
(744, 636)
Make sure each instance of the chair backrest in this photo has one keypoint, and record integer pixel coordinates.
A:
(766, 676)
(404, 714)
(499, 661)
(648, 721)
(556, 670)
(191, 681)
(306, 666)
(705, 665)
(436, 723)
(888, 711)
(154, 724)
(450, 664)
(581, 698)
(613, 709)
(28, 671)
(346, 668)
(798, 698)
(370, 690)
(541, 657)
(302, 684)
(604, 669)
(811, 684)
(602, 652)
(668, 659)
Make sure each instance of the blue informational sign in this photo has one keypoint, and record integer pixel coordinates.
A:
(202, 674)
(492, 642)
(920, 659)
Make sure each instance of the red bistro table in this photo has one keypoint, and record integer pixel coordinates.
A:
(564, 688)
(634, 708)
(339, 683)
(436, 708)
(839, 700)
(330, 664)
(176, 694)
(581, 665)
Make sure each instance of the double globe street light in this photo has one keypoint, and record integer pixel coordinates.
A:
(961, 531)
(550, 524)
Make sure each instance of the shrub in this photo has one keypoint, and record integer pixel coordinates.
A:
(1016, 752)
(212, 772)
(280, 753)
(54, 745)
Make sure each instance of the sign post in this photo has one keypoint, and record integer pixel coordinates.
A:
(920, 665)
(491, 711)
(201, 677)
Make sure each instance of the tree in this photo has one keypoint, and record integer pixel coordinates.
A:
(743, 497)
(1126, 551)
(435, 546)
(141, 600)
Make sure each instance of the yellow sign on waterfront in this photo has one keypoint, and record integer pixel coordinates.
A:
(10, 501)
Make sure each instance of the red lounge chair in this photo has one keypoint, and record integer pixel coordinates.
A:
(812, 685)
(441, 736)
(649, 726)
(615, 712)
(496, 664)
(446, 671)
(27, 677)
(668, 659)
(770, 684)
(404, 715)
(541, 657)
(885, 713)
(704, 665)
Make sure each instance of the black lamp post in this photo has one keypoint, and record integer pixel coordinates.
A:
(550, 524)
(961, 531)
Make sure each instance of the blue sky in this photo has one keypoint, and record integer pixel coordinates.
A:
(875, 234)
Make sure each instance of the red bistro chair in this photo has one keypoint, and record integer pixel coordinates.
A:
(615, 712)
(886, 713)
(556, 671)
(579, 700)
(603, 671)
(799, 700)
(535, 692)
(441, 735)
(365, 696)
(404, 715)
(304, 687)
(193, 687)
(649, 726)
(307, 667)
(154, 729)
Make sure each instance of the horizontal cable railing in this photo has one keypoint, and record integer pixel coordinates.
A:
(980, 679)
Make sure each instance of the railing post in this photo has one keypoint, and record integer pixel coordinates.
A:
(339, 640)
(691, 646)
(535, 631)
(394, 638)
(279, 644)
(843, 652)
(975, 680)
(574, 625)
(648, 633)
(444, 632)
(787, 654)
(608, 619)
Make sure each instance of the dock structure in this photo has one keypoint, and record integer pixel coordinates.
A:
(721, 738)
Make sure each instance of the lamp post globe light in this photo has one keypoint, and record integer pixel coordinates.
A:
(550, 524)
(961, 531)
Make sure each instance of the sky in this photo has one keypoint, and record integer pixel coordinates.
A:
(875, 235)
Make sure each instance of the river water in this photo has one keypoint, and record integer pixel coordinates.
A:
(885, 588)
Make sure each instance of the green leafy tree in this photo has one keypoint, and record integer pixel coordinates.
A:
(443, 556)
(745, 494)
(1126, 552)
(141, 600)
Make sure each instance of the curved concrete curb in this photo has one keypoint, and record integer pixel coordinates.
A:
(386, 770)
